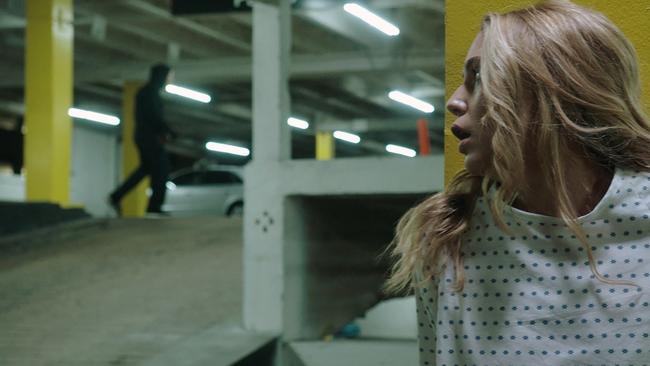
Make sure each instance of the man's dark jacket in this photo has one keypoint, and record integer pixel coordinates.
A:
(150, 126)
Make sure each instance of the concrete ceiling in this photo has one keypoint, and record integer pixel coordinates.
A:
(341, 69)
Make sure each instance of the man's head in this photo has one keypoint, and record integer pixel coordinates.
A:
(546, 81)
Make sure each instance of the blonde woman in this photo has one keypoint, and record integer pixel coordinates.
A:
(538, 253)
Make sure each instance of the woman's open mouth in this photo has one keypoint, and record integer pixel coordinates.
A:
(459, 132)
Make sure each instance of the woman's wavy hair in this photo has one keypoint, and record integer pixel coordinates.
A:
(559, 77)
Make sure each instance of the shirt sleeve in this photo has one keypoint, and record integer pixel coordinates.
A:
(426, 309)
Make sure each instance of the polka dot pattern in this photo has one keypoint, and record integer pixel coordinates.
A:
(530, 298)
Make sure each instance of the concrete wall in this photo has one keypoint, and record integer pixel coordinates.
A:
(333, 268)
(463, 20)
(12, 187)
(94, 173)
(313, 231)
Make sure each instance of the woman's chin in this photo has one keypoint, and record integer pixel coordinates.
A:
(474, 165)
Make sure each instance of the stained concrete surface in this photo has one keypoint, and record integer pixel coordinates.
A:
(360, 352)
(121, 292)
(390, 319)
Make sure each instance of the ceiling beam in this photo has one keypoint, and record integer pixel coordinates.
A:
(161, 38)
(302, 66)
(436, 5)
(340, 22)
(122, 41)
(370, 125)
(239, 68)
(187, 24)
(11, 21)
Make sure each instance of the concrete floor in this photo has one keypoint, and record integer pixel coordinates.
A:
(122, 292)
(358, 352)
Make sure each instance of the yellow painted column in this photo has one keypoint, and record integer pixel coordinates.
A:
(463, 21)
(48, 95)
(134, 203)
(324, 145)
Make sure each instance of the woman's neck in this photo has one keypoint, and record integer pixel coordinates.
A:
(586, 182)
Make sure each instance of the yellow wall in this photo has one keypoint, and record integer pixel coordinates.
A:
(463, 19)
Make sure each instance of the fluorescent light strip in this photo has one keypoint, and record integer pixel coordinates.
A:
(228, 149)
(187, 93)
(371, 18)
(347, 137)
(410, 101)
(93, 116)
(298, 123)
(400, 150)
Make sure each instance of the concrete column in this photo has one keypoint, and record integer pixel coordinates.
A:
(48, 95)
(325, 148)
(463, 21)
(271, 46)
(264, 219)
(135, 202)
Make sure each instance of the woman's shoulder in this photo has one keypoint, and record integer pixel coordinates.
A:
(633, 176)
(481, 218)
(631, 184)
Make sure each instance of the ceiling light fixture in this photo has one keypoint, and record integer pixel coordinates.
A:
(93, 116)
(298, 123)
(187, 93)
(411, 101)
(228, 149)
(400, 150)
(345, 136)
(371, 18)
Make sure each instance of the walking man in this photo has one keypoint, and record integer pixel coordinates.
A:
(151, 134)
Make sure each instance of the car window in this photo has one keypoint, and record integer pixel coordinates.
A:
(216, 177)
(187, 179)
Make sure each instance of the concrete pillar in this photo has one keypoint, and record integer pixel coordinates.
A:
(463, 21)
(271, 47)
(325, 148)
(135, 202)
(264, 211)
(48, 95)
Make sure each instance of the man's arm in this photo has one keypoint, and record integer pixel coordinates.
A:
(157, 116)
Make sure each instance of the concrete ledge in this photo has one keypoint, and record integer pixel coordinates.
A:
(354, 175)
(217, 346)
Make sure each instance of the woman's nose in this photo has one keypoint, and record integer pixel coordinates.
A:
(457, 106)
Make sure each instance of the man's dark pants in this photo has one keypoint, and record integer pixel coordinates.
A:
(153, 163)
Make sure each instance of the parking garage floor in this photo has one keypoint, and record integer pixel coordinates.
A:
(145, 292)
(119, 292)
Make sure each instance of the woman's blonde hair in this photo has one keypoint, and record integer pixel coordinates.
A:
(555, 76)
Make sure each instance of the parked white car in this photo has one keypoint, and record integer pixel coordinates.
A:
(205, 190)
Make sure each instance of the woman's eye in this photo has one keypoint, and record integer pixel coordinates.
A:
(472, 80)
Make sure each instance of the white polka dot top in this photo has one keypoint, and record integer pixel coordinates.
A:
(531, 299)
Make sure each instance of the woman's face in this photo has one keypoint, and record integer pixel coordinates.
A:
(475, 140)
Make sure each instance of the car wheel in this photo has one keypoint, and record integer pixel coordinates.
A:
(237, 209)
